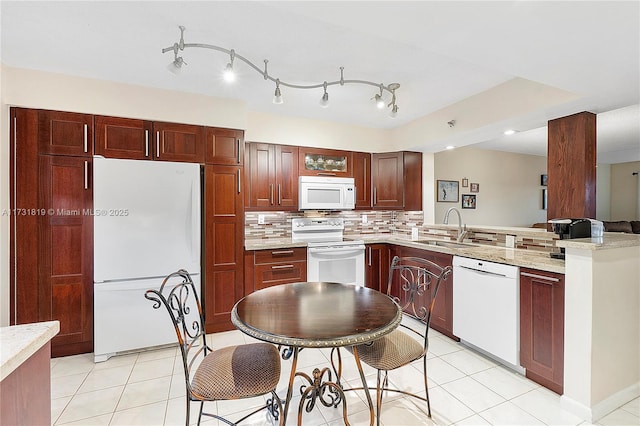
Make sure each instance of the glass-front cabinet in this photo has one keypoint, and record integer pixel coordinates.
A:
(325, 162)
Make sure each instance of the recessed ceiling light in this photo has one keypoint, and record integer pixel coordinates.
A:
(509, 132)
(450, 147)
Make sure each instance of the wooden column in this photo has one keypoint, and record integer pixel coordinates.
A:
(571, 166)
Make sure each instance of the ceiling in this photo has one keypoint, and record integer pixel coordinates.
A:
(441, 53)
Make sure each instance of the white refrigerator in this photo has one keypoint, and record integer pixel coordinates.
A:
(147, 222)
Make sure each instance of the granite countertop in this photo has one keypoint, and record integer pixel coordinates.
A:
(517, 257)
(609, 240)
(19, 342)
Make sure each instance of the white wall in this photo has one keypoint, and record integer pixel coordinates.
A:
(289, 130)
(4, 205)
(603, 192)
(625, 191)
(510, 191)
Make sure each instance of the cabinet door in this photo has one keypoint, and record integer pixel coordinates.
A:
(325, 162)
(178, 142)
(388, 180)
(542, 327)
(376, 272)
(261, 175)
(224, 245)
(286, 177)
(362, 178)
(224, 146)
(65, 248)
(412, 163)
(24, 197)
(442, 314)
(65, 133)
(123, 138)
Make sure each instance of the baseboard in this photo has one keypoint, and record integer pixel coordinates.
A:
(602, 408)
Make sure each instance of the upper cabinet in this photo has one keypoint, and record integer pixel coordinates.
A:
(325, 162)
(272, 175)
(362, 178)
(224, 147)
(65, 133)
(178, 142)
(123, 138)
(397, 180)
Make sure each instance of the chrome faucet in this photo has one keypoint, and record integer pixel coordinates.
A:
(461, 232)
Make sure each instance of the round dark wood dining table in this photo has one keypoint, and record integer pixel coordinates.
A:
(317, 315)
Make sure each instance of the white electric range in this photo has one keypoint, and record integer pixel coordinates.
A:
(330, 257)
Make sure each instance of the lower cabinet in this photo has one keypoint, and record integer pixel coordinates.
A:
(442, 315)
(376, 266)
(266, 268)
(542, 327)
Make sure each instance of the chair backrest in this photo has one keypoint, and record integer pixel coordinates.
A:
(414, 283)
(178, 295)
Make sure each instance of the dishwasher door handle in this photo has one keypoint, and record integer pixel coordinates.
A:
(481, 271)
(333, 250)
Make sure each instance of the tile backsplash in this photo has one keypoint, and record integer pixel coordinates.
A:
(278, 225)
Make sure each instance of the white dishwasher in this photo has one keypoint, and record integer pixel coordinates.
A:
(486, 307)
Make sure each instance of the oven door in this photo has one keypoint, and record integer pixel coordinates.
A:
(338, 264)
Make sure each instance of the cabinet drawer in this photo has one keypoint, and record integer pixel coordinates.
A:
(267, 275)
(281, 255)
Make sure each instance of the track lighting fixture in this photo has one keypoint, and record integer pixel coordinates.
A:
(277, 96)
(324, 101)
(229, 75)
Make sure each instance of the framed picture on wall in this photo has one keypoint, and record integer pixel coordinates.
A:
(448, 191)
(544, 199)
(475, 187)
(543, 180)
(465, 182)
(468, 201)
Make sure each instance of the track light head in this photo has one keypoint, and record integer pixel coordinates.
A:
(379, 101)
(324, 101)
(394, 111)
(176, 66)
(229, 74)
(277, 96)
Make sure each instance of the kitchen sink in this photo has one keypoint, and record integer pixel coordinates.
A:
(448, 244)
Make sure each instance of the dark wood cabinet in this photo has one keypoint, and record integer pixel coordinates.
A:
(542, 327)
(397, 180)
(376, 267)
(128, 138)
(223, 244)
(51, 229)
(178, 142)
(224, 146)
(65, 133)
(266, 268)
(442, 315)
(65, 251)
(272, 175)
(325, 162)
(362, 179)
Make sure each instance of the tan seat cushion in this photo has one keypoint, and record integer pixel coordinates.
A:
(391, 351)
(237, 372)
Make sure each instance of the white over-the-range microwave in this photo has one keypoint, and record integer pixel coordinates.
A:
(326, 193)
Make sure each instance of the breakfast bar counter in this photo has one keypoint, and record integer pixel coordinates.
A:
(25, 386)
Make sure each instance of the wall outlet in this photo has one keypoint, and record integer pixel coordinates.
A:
(261, 219)
(414, 234)
(510, 241)
(364, 219)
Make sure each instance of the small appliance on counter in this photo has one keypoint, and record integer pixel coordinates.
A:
(570, 229)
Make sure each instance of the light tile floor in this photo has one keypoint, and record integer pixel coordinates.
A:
(465, 388)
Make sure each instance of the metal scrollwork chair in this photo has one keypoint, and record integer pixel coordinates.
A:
(413, 283)
(234, 372)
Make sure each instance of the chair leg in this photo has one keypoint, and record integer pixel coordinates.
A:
(188, 411)
(280, 413)
(426, 385)
(200, 412)
(379, 386)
